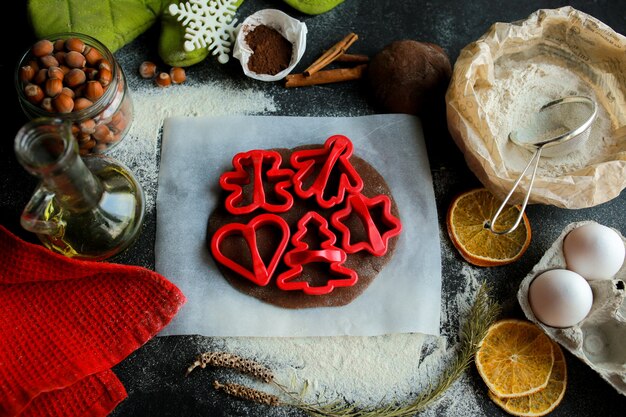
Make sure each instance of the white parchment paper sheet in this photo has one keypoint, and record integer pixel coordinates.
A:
(405, 297)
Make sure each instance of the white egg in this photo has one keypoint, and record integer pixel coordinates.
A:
(594, 251)
(560, 298)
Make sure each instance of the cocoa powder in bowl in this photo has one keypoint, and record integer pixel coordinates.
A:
(271, 51)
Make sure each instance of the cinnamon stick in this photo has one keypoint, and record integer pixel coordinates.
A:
(326, 77)
(353, 58)
(329, 56)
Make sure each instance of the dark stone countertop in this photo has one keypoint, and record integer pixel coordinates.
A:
(152, 375)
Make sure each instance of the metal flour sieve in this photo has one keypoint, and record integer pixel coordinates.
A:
(557, 129)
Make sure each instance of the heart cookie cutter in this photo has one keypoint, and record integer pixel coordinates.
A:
(234, 181)
(377, 242)
(261, 274)
(301, 255)
(334, 155)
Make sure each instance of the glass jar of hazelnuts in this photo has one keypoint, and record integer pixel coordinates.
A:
(74, 77)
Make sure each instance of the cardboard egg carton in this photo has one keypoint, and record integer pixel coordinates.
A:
(599, 339)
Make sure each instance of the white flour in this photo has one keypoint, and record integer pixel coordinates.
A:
(152, 105)
(364, 370)
(520, 89)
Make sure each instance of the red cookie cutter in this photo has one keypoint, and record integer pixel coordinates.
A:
(377, 242)
(302, 255)
(261, 273)
(334, 155)
(234, 181)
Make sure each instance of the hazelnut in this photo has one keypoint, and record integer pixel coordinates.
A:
(147, 69)
(75, 59)
(102, 132)
(105, 76)
(75, 129)
(46, 104)
(75, 77)
(48, 61)
(88, 144)
(65, 69)
(53, 87)
(69, 92)
(82, 103)
(88, 126)
(101, 147)
(104, 64)
(93, 90)
(163, 79)
(63, 103)
(60, 56)
(75, 44)
(33, 93)
(26, 74)
(55, 72)
(42, 48)
(41, 76)
(59, 45)
(178, 75)
(80, 90)
(83, 152)
(33, 63)
(92, 73)
(92, 55)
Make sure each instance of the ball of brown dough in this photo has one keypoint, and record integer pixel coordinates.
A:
(408, 75)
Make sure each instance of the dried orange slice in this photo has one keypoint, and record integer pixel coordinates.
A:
(541, 402)
(515, 358)
(466, 220)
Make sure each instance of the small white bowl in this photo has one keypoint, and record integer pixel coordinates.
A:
(292, 29)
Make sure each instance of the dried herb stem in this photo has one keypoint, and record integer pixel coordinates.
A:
(229, 360)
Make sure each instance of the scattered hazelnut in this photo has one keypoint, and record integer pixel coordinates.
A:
(26, 74)
(48, 61)
(92, 55)
(105, 76)
(63, 103)
(178, 75)
(75, 59)
(93, 90)
(163, 79)
(53, 87)
(42, 48)
(75, 77)
(41, 76)
(46, 104)
(82, 103)
(59, 45)
(33, 93)
(55, 72)
(147, 69)
(75, 44)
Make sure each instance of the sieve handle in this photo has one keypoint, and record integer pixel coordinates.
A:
(490, 224)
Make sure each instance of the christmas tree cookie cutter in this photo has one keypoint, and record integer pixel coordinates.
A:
(333, 156)
(234, 181)
(377, 241)
(301, 255)
(261, 274)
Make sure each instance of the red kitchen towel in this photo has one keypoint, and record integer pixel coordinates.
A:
(62, 320)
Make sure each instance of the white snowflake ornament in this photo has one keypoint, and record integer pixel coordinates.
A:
(208, 24)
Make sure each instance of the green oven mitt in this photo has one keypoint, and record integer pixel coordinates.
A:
(114, 23)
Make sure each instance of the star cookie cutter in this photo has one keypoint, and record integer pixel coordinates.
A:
(333, 156)
(261, 274)
(234, 181)
(377, 241)
(301, 255)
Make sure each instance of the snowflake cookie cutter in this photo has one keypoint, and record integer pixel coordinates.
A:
(334, 155)
(301, 255)
(208, 24)
(377, 242)
(261, 273)
(234, 181)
